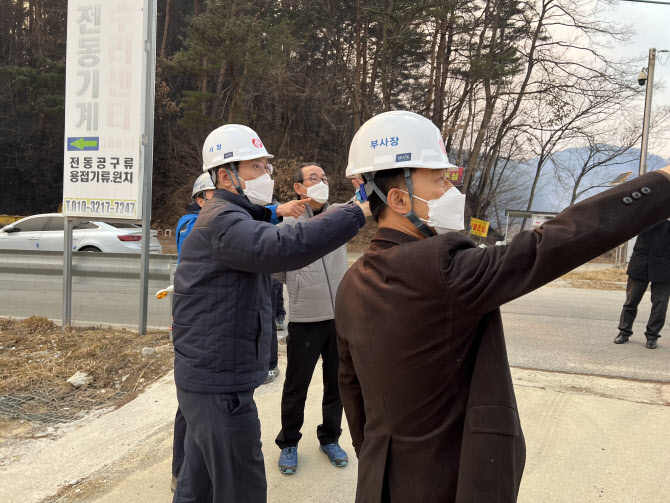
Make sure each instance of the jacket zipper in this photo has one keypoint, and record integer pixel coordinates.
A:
(323, 261)
(330, 290)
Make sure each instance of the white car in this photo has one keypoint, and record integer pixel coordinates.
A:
(45, 233)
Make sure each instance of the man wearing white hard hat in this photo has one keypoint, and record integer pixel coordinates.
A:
(203, 188)
(222, 313)
(424, 376)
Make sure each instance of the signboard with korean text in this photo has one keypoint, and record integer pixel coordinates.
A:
(455, 176)
(104, 95)
(539, 220)
(479, 227)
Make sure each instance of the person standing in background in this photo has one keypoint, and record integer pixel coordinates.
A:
(650, 263)
(311, 332)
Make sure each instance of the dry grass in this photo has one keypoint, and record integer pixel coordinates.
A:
(169, 245)
(606, 279)
(618, 275)
(37, 358)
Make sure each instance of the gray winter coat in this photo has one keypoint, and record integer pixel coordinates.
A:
(312, 289)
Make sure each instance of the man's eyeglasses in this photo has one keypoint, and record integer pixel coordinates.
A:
(260, 169)
(315, 179)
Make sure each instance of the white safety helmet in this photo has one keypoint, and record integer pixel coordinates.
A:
(203, 183)
(231, 143)
(397, 139)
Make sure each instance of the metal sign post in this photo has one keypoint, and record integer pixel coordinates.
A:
(67, 274)
(147, 153)
(109, 103)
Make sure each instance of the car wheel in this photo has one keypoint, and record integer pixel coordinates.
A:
(89, 249)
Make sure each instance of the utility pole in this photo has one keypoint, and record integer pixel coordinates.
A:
(647, 111)
(647, 77)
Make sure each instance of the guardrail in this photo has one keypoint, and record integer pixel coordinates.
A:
(86, 264)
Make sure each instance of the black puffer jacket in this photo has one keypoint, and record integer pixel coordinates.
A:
(651, 256)
(221, 304)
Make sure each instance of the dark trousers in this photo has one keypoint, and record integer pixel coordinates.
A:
(223, 459)
(660, 293)
(178, 442)
(278, 298)
(304, 344)
(274, 348)
(180, 421)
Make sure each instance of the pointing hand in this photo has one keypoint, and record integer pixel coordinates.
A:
(293, 208)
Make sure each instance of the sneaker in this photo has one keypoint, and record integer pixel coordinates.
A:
(280, 323)
(335, 454)
(288, 460)
(652, 344)
(620, 339)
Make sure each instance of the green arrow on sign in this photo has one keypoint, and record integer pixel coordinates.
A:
(81, 143)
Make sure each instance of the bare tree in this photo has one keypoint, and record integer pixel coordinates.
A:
(601, 148)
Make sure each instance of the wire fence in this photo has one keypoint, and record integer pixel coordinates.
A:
(48, 408)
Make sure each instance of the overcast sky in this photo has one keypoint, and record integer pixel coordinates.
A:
(652, 26)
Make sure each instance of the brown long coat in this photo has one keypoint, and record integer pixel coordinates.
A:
(424, 375)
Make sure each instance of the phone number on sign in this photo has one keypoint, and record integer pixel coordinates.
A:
(96, 207)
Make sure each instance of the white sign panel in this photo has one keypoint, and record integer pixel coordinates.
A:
(539, 220)
(104, 109)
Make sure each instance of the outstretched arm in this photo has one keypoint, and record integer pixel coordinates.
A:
(484, 279)
(249, 245)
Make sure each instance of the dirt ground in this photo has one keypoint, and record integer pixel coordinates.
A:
(37, 358)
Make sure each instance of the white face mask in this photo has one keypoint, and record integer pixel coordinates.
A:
(318, 192)
(446, 213)
(259, 190)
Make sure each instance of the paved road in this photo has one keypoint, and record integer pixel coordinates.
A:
(559, 329)
(96, 301)
(572, 330)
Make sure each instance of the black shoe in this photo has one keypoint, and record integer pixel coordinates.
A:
(652, 344)
(620, 339)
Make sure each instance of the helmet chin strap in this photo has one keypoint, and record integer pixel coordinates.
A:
(236, 179)
(411, 216)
